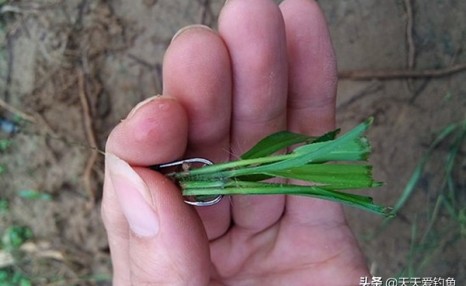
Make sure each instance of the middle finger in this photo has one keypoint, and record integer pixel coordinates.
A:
(255, 36)
(197, 73)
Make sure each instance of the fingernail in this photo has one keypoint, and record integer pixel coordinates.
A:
(134, 197)
(184, 29)
(141, 104)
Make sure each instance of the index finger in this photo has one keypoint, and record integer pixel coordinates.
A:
(156, 133)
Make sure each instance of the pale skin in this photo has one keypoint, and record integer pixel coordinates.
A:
(268, 68)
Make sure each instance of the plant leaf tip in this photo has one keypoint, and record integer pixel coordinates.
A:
(377, 184)
(370, 120)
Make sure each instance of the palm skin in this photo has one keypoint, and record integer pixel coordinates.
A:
(288, 253)
(268, 68)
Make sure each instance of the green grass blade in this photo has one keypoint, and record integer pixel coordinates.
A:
(414, 179)
(284, 139)
(355, 150)
(334, 176)
(410, 186)
(274, 143)
(221, 169)
(328, 136)
(319, 154)
(250, 188)
(326, 148)
(347, 147)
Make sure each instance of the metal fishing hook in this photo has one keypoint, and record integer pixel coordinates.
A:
(188, 162)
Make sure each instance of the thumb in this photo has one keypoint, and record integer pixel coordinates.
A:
(166, 241)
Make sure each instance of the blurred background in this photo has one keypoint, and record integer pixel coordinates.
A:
(70, 70)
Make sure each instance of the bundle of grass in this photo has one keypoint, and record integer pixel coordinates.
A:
(321, 167)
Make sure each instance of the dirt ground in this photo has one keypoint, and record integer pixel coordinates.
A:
(72, 69)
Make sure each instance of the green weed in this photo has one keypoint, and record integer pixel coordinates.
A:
(34, 195)
(428, 241)
(4, 144)
(12, 238)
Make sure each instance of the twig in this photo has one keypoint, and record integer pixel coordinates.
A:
(409, 34)
(9, 72)
(16, 111)
(368, 90)
(156, 69)
(411, 60)
(142, 61)
(399, 74)
(204, 7)
(90, 135)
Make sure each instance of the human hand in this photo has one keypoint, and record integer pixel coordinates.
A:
(268, 68)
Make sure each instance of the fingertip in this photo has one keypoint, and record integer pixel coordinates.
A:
(154, 237)
(197, 72)
(190, 28)
(238, 8)
(254, 33)
(141, 104)
(175, 214)
(308, 38)
(179, 251)
(154, 133)
(133, 196)
(312, 68)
